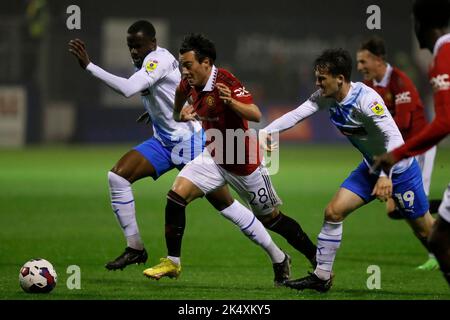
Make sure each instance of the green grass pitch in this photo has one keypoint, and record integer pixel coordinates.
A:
(54, 204)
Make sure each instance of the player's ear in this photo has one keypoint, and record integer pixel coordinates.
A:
(207, 60)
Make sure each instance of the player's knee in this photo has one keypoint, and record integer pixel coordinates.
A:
(269, 219)
(332, 214)
(174, 197)
(220, 201)
(121, 172)
(115, 180)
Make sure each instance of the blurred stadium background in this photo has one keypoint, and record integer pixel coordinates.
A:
(51, 112)
(269, 47)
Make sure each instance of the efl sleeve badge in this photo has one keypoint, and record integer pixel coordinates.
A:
(377, 109)
(151, 65)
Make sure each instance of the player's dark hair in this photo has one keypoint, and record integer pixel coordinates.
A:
(375, 45)
(336, 62)
(143, 26)
(202, 47)
(432, 13)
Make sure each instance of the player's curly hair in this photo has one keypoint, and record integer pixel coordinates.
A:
(432, 13)
(336, 62)
(143, 26)
(202, 47)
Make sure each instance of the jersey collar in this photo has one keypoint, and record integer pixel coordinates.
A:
(440, 42)
(387, 76)
(349, 95)
(212, 80)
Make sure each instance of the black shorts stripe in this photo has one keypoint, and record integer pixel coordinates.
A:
(272, 197)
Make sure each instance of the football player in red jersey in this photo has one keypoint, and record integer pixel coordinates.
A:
(431, 19)
(403, 101)
(224, 106)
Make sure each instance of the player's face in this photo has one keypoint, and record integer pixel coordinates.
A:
(140, 46)
(196, 73)
(367, 64)
(329, 84)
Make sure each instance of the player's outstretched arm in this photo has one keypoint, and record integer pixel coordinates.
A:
(290, 119)
(127, 87)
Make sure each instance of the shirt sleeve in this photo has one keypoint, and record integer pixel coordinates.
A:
(293, 117)
(439, 128)
(239, 93)
(127, 87)
(156, 67)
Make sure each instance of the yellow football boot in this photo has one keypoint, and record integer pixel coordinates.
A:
(166, 268)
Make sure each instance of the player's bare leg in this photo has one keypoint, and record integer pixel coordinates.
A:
(439, 242)
(422, 227)
(130, 168)
(343, 203)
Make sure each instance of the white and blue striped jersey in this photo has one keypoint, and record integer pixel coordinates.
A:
(361, 116)
(163, 76)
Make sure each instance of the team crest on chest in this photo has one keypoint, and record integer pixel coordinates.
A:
(210, 101)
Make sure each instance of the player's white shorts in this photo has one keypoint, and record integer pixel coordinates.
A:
(444, 208)
(426, 163)
(256, 189)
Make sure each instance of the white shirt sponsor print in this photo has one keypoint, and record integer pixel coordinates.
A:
(403, 97)
(440, 82)
(241, 92)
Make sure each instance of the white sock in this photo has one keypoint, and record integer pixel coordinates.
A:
(122, 202)
(176, 260)
(328, 242)
(242, 217)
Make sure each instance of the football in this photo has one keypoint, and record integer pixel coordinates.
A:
(37, 276)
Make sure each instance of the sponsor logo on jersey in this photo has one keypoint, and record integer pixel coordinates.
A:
(210, 101)
(440, 82)
(241, 92)
(377, 109)
(403, 97)
(151, 65)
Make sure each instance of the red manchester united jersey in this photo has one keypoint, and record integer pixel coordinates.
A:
(238, 152)
(403, 101)
(439, 76)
